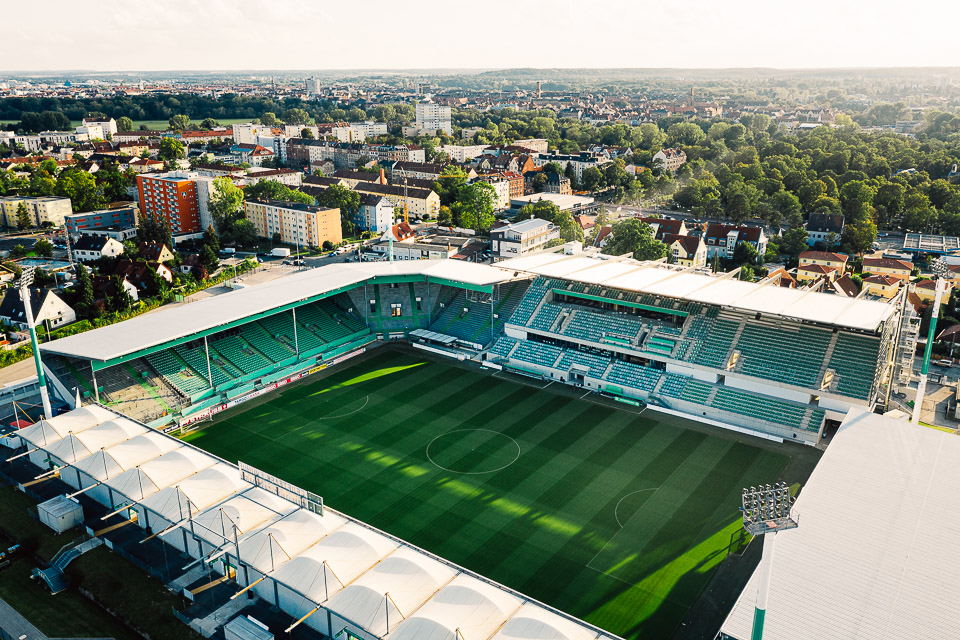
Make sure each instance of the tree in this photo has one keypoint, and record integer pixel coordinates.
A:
(210, 239)
(745, 253)
(84, 290)
(306, 133)
(23, 217)
(170, 149)
(347, 200)
(296, 116)
(475, 203)
(270, 119)
(209, 123)
(273, 190)
(226, 207)
(43, 247)
(124, 124)
(384, 113)
(81, 188)
(118, 299)
(859, 236)
(154, 229)
(794, 241)
(685, 134)
(592, 179)
(451, 179)
(634, 236)
(209, 259)
(179, 122)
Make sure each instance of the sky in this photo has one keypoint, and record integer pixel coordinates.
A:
(112, 35)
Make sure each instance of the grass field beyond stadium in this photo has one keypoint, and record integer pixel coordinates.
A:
(615, 517)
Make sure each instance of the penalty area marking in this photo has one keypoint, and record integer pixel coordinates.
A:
(632, 493)
(366, 400)
(473, 473)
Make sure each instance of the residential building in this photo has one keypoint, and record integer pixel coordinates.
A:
(376, 213)
(359, 131)
(814, 272)
(80, 223)
(179, 197)
(836, 261)
(43, 210)
(289, 177)
(580, 162)
(574, 204)
(520, 238)
(687, 251)
(537, 145)
(140, 272)
(117, 232)
(252, 154)
(89, 248)
(420, 170)
(820, 226)
(143, 165)
(352, 178)
(48, 309)
(883, 286)
(557, 183)
(927, 290)
(420, 203)
(463, 154)
(671, 159)
(501, 187)
(433, 117)
(722, 239)
(108, 126)
(247, 132)
(104, 287)
(301, 224)
(420, 250)
(664, 226)
(155, 251)
(899, 269)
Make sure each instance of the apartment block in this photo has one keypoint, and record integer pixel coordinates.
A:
(301, 224)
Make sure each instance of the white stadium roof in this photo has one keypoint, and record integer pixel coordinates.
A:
(429, 598)
(657, 279)
(875, 554)
(176, 321)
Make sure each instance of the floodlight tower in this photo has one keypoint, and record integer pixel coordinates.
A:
(23, 283)
(940, 271)
(766, 511)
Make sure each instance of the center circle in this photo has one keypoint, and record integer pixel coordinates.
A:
(473, 451)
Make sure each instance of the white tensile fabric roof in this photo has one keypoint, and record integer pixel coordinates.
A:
(107, 463)
(76, 446)
(237, 516)
(149, 477)
(332, 560)
(409, 577)
(656, 279)
(272, 546)
(201, 490)
(874, 556)
(343, 555)
(476, 608)
(174, 322)
(45, 431)
(536, 623)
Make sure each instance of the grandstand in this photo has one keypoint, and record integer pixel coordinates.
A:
(773, 360)
(769, 359)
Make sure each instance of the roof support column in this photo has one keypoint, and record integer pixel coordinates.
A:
(96, 389)
(296, 341)
(206, 349)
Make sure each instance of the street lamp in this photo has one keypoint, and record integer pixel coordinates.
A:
(766, 511)
(940, 271)
(23, 284)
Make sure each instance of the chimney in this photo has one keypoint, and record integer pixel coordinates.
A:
(383, 176)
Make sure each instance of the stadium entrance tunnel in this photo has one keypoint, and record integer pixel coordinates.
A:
(473, 451)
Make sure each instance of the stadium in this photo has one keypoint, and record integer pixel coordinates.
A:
(510, 449)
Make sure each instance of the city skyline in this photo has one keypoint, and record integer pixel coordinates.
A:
(436, 35)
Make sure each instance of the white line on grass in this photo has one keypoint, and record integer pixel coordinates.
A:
(366, 400)
(473, 473)
(616, 508)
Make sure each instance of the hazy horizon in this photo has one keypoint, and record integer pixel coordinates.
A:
(229, 36)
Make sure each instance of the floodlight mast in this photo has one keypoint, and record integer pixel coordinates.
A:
(23, 283)
(940, 271)
(766, 511)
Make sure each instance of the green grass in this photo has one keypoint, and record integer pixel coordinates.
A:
(615, 517)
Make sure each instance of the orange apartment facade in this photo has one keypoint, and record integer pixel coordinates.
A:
(172, 198)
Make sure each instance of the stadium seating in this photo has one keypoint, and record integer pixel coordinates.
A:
(319, 321)
(529, 302)
(546, 317)
(536, 353)
(854, 359)
(240, 354)
(464, 319)
(266, 344)
(222, 372)
(597, 364)
(174, 370)
(779, 353)
(594, 326)
(685, 388)
(503, 346)
(788, 414)
(710, 341)
(280, 326)
(634, 375)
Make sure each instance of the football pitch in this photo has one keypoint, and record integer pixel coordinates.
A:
(615, 516)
